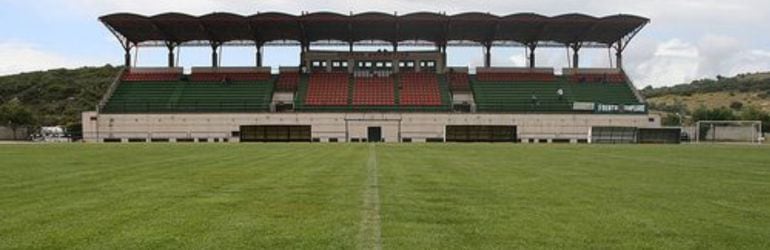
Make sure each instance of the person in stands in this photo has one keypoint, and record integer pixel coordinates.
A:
(226, 80)
(560, 93)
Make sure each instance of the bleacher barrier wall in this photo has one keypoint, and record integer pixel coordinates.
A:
(659, 135)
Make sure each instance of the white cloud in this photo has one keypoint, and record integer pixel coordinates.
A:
(676, 48)
(747, 61)
(518, 60)
(664, 10)
(686, 40)
(145, 6)
(676, 61)
(24, 57)
(672, 61)
(761, 53)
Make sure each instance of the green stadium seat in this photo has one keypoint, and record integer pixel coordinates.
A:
(541, 96)
(184, 97)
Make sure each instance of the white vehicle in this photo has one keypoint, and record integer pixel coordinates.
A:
(51, 134)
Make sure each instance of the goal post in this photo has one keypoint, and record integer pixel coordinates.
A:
(729, 131)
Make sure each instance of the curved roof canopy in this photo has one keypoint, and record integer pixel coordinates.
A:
(471, 28)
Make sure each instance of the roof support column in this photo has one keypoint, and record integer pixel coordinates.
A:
(394, 58)
(303, 64)
(350, 44)
(259, 55)
(487, 55)
(127, 57)
(619, 55)
(171, 62)
(576, 55)
(443, 58)
(214, 55)
(532, 47)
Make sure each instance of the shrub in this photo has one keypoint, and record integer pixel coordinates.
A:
(736, 105)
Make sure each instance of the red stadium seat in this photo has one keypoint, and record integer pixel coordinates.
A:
(287, 81)
(327, 89)
(598, 78)
(374, 91)
(231, 76)
(459, 81)
(515, 77)
(151, 76)
(420, 89)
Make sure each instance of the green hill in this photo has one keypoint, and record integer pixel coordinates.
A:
(743, 83)
(58, 96)
(745, 96)
(729, 92)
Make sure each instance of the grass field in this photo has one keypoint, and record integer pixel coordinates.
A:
(357, 196)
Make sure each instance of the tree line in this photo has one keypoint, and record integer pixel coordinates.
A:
(759, 82)
(53, 97)
(678, 114)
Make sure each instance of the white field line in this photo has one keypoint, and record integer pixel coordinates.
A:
(370, 234)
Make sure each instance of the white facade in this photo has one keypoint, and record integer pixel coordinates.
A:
(348, 126)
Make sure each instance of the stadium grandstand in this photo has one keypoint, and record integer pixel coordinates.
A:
(390, 95)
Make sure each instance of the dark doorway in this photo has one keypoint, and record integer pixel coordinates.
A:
(284, 107)
(374, 134)
(275, 133)
(462, 107)
(660, 135)
(462, 133)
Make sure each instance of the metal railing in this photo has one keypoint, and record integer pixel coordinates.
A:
(134, 106)
(630, 84)
(110, 91)
(185, 106)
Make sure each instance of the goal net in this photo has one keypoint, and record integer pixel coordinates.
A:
(729, 131)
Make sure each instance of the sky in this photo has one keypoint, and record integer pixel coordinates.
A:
(686, 39)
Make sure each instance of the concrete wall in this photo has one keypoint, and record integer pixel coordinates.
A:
(6, 134)
(345, 126)
(394, 57)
